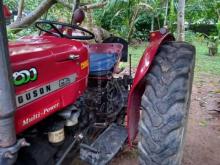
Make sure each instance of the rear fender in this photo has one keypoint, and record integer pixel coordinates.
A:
(138, 86)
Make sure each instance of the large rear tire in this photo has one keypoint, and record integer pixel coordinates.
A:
(165, 105)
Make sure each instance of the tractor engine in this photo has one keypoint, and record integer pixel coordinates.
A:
(107, 90)
(106, 98)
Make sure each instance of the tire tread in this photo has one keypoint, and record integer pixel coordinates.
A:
(165, 104)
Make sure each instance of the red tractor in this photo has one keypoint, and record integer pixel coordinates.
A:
(71, 96)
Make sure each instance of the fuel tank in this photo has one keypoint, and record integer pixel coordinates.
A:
(49, 73)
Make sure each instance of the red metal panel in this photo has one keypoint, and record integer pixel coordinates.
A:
(49, 57)
(33, 113)
(138, 86)
(7, 13)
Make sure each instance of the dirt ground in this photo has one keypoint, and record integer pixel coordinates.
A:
(203, 136)
(202, 145)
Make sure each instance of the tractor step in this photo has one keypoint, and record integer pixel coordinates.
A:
(106, 146)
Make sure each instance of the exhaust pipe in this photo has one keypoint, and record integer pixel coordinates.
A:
(8, 142)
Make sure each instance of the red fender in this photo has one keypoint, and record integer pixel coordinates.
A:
(6, 11)
(138, 86)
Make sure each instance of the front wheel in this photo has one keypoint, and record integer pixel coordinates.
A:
(165, 105)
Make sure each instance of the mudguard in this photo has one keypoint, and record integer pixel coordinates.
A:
(138, 86)
(6, 11)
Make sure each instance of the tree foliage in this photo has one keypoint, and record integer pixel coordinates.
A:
(130, 18)
(202, 11)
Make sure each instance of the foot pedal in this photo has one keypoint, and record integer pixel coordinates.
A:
(105, 147)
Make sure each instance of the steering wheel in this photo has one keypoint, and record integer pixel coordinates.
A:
(55, 31)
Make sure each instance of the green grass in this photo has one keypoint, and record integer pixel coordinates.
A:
(204, 63)
(136, 53)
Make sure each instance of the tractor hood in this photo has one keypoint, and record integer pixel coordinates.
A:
(35, 46)
(49, 73)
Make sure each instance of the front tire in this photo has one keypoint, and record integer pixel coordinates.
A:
(165, 105)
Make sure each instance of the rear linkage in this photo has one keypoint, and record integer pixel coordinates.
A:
(8, 155)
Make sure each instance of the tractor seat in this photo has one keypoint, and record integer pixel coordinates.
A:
(102, 63)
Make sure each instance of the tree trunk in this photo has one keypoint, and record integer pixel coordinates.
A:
(100, 33)
(89, 18)
(33, 16)
(152, 23)
(20, 9)
(76, 5)
(172, 16)
(158, 22)
(180, 21)
(166, 13)
(132, 23)
(90, 6)
(95, 5)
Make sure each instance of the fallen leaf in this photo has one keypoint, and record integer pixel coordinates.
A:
(203, 123)
(217, 91)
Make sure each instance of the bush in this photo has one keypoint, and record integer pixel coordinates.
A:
(203, 28)
(190, 36)
(25, 32)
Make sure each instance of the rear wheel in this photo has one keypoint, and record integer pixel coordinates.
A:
(165, 105)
